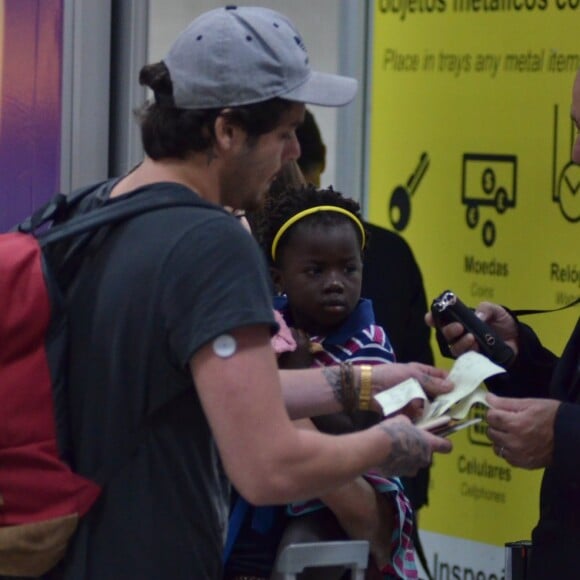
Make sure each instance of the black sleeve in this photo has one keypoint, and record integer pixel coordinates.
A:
(216, 281)
(566, 459)
(393, 281)
(532, 371)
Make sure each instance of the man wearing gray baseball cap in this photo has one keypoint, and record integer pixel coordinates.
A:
(171, 320)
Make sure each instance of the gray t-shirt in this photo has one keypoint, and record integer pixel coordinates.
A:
(149, 293)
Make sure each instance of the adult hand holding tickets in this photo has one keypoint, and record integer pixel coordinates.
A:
(412, 448)
(447, 409)
(431, 380)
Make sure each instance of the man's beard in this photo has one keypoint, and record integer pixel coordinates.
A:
(248, 202)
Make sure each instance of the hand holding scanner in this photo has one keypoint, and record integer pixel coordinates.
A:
(447, 308)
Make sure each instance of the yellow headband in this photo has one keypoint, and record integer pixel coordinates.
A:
(306, 212)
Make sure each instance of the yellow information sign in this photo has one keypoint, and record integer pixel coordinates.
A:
(469, 160)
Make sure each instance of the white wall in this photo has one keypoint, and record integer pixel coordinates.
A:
(318, 26)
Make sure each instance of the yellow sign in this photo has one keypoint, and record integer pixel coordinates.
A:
(469, 160)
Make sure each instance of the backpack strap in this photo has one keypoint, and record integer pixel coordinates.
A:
(121, 209)
(52, 210)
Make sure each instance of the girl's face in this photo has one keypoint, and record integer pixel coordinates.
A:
(320, 270)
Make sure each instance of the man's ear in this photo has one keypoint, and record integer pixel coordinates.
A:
(277, 280)
(227, 134)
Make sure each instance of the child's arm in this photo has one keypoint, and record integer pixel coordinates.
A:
(362, 512)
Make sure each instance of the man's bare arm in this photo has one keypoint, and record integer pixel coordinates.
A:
(318, 391)
(266, 457)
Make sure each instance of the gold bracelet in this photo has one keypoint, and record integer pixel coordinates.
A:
(366, 383)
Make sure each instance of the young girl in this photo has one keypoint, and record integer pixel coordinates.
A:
(315, 240)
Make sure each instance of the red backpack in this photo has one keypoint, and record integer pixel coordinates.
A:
(41, 498)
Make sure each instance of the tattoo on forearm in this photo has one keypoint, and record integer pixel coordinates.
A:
(332, 376)
(409, 450)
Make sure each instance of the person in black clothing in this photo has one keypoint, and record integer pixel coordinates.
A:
(538, 432)
(542, 431)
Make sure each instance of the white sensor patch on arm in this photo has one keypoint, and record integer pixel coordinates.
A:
(224, 346)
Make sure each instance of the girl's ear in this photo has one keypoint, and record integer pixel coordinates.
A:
(277, 280)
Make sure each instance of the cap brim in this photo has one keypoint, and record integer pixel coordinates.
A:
(326, 90)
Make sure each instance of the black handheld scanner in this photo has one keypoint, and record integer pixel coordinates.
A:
(448, 308)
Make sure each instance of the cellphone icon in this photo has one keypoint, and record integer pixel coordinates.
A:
(477, 433)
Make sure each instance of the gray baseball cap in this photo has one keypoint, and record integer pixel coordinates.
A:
(236, 56)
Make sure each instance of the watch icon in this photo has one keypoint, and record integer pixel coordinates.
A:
(566, 184)
(568, 192)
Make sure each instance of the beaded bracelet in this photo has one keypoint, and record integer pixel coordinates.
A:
(349, 394)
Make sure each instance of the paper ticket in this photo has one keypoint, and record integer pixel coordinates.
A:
(395, 398)
(460, 410)
(467, 374)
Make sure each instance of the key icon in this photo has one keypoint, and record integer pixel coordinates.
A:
(400, 204)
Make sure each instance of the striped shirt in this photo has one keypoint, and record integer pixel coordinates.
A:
(358, 340)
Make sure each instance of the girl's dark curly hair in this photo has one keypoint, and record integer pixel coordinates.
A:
(280, 207)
